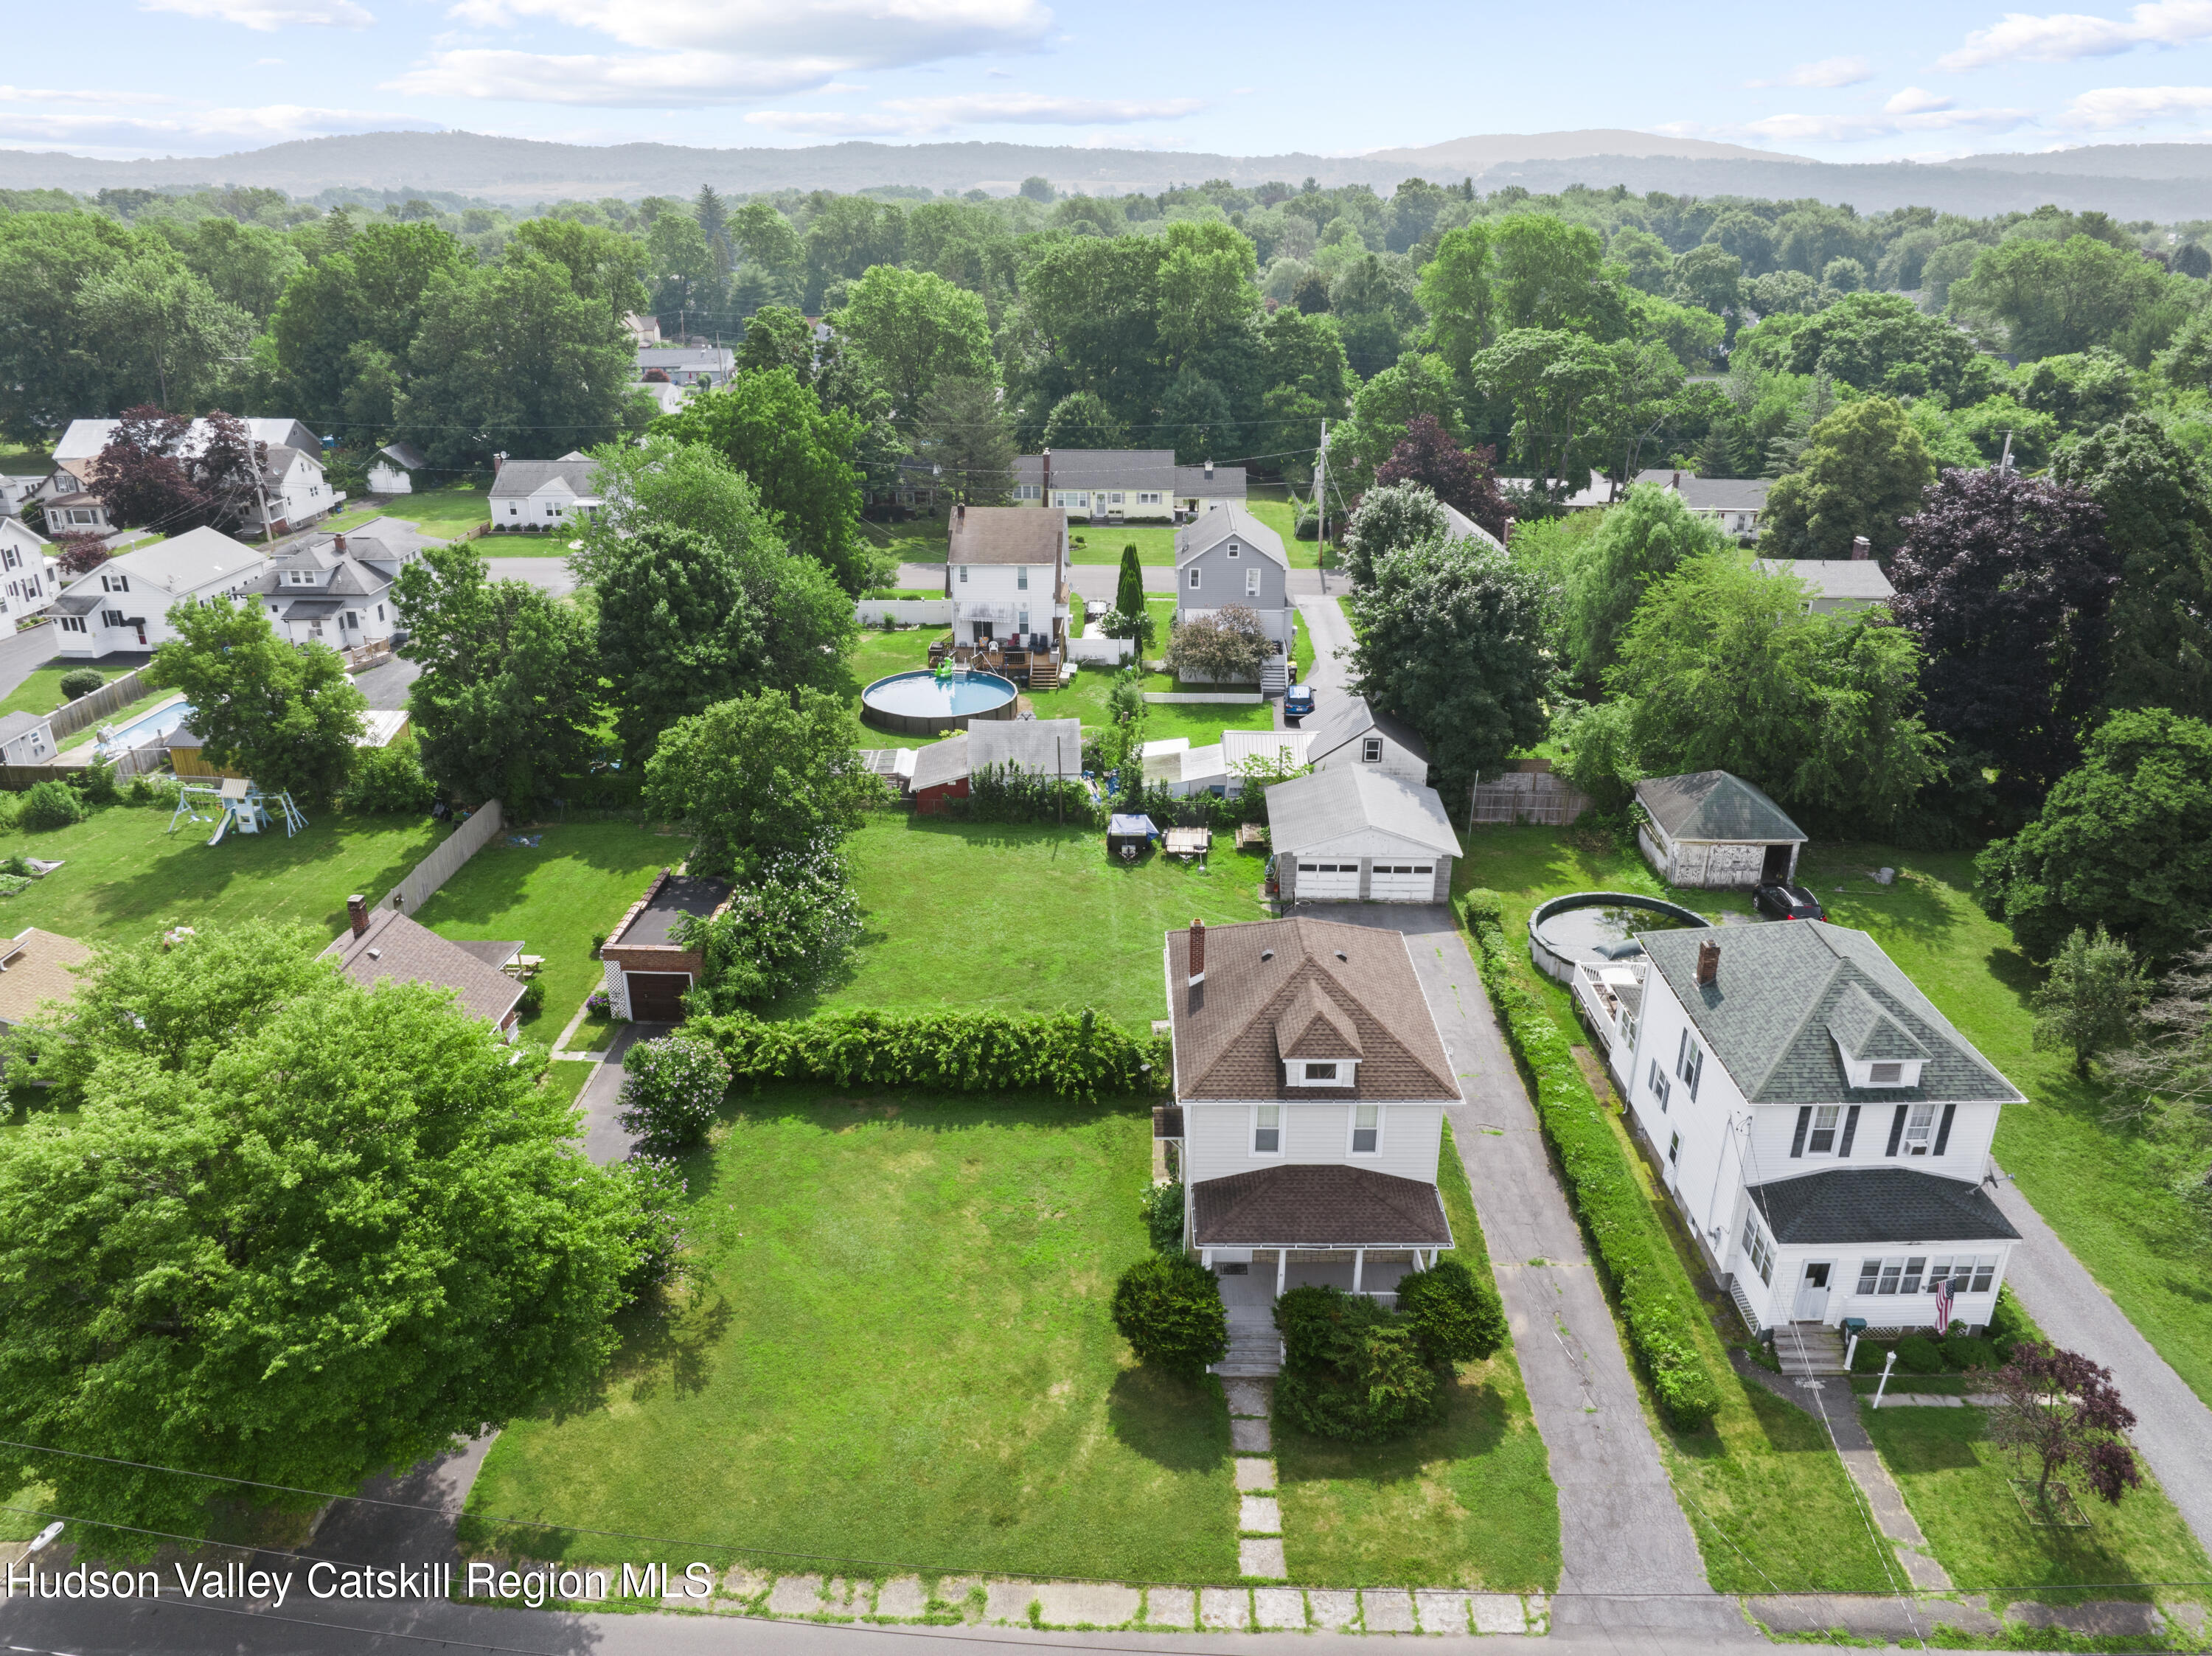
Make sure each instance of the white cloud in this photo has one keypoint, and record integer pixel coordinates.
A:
(639, 79)
(267, 16)
(2135, 106)
(119, 124)
(2062, 37)
(913, 117)
(1828, 72)
(1910, 110)
(1915, 101)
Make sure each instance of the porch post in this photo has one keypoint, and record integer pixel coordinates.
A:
(1358, 1266)
(1282, 1271)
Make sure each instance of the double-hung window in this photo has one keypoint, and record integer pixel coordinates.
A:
(1193, 578)
(1251, 583)
(1370, 750)
(1690, 1064)
(1919, 1128)
(1267, 1129)
(1366, 1129)
(1822, 1139)
(1021, 578)
(1661, 1087)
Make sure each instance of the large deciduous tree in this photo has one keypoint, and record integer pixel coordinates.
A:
(2049, 297)
(142, 477)
(677, 631)
(505, 704)
(284, 713)
(913, 330)
(301, 1233)
(1861, 473)
(1726, 670)
(760, 775)
(1389, 517)
(2006, 581)
(1448, 642)
(2157, 501)
(2124, 840)
(1643, 538)
(1463, 479)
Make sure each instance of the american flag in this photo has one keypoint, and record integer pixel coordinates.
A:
(1943, 1304)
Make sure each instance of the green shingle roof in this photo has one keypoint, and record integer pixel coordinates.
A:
(1782, 991)
(1715, 805)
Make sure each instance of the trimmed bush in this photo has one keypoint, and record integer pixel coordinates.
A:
(1163, 1209)
(1351, 1368)
(1072, 1054)
(1867, 1359)
(1919, 1354)
(1454, 1317)
(533, 999)
(389, 779)
(1657, 1303)
(1483, 906)
(2009, 1325)
(1169, 1307)
(657, 1187)
(52, 804)
(82, 682)
(671, 1091)
(1963, 1351)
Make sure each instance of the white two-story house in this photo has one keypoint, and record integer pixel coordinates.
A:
(293, 493)
(337, 590)
(543, 494)
(1823, 1129)
(1227, 556)
(25, 585)
(124, 605)
(1005, 572)
(1310, 1086)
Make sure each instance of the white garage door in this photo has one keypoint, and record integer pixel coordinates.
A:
(1403, 882)
(1328, 879)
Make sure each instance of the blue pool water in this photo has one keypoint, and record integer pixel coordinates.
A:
(147, 726)
(923, 695)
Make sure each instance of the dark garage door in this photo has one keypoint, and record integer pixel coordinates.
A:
(658, 997)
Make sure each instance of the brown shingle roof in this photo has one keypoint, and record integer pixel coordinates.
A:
(37, 969)
(1317, 1206)
(396, 947)
(1226, 1029)
(1006, 534)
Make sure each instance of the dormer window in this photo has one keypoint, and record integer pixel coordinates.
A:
(1320, 1072)
(1370, 750)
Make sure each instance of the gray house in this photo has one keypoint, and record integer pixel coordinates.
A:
(1356, 835)
(1716, 832)
(1226, 557)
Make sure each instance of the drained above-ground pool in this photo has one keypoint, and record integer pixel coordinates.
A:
(1599, 925)
(929, 700)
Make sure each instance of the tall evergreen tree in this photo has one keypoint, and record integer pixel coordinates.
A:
(714, 225)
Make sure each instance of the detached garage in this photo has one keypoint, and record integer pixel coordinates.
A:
(648, 971)
(1716, 832)
(1358, 835)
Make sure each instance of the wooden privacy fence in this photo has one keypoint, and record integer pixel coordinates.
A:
(88, 710)
(1528, 796)
(442, 864)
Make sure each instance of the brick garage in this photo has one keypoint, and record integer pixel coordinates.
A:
(647, 973)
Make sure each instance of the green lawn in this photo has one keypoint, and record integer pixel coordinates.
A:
(457, 508)
(41, 693)
(897, 1353)
(1955, 1480)
(579, 879)
(125, 879)
(1467, 1502)
(1021, 919)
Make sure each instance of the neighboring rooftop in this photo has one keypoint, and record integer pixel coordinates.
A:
(1847, 1205)
(1716, 806)
(675, 897)
(1317, 1205)
(184, 563)
(405, 456)
(1859, 578)
(523, 478)
(1328, 805)
(1218, 523)
(1339, 719)
(395, 947)
(1209, 483)
(1226, 1026)
(1710, 493)
(34, 968)
(1785, 994)
(1046, 747)
(84, 439)
(1101, 467)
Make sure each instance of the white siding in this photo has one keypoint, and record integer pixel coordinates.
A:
(1965, 1156)
(1396, 761)
(1218, 1139)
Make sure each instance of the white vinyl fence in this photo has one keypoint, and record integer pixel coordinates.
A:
(906, 612)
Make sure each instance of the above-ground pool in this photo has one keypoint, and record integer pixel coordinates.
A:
(926, 702)
(1599, 925)
(155, 722)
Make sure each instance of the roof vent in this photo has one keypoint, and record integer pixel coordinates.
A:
(376, 954)
(1346, 958)
(1266, 953)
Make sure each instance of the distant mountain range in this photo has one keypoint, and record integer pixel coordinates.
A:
(2163, 182)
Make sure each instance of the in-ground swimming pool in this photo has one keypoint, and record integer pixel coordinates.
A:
(1599, 925)
(154, 722)
(925, 703)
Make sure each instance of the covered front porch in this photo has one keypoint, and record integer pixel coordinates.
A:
(1261, 1276)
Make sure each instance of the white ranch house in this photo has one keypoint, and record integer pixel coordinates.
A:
(543, 494)
(1823, 1129)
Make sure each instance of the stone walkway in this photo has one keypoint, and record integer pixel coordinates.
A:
(1259, 1516)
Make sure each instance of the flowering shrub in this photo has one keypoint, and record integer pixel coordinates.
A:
(598, 1005)
(657, 1187)
(670, 1092)
(788, 928)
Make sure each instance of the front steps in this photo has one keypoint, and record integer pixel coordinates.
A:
(1809, 1349)
(1256, 1349)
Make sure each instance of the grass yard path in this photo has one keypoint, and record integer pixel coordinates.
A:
(1620, 1529)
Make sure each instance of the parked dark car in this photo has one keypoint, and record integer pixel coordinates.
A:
(1297, 702)
(1788, 902)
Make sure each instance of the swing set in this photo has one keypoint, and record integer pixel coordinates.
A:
(236, 805)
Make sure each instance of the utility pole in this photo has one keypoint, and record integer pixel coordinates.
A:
(2004, 461)
(1321, 507)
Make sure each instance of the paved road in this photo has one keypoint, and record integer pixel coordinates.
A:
(2173, 1429)
(1620, 1530)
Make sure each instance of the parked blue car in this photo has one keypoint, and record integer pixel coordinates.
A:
(1297, 702)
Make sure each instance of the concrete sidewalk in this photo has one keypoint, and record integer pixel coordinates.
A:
(1621, 1531)
(2173, 1429)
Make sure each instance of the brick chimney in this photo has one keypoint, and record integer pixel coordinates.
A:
(1862, 548)
(357, 911)
(1709, 964)
(497, 461)
(341, 545)
(1197, 952)
(1674, 483)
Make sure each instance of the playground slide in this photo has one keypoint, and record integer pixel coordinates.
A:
(220, 828)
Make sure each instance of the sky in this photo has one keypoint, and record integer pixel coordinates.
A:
(1874, 80)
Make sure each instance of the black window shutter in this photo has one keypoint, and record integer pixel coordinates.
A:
(1943, 1128)
(1797, 1139)
(1851, 1129)
(1896, 1130)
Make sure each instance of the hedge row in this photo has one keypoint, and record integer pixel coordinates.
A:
(1074, 1054)
(1657, 1301)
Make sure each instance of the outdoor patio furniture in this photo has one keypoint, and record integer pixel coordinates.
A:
(1189, 841)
